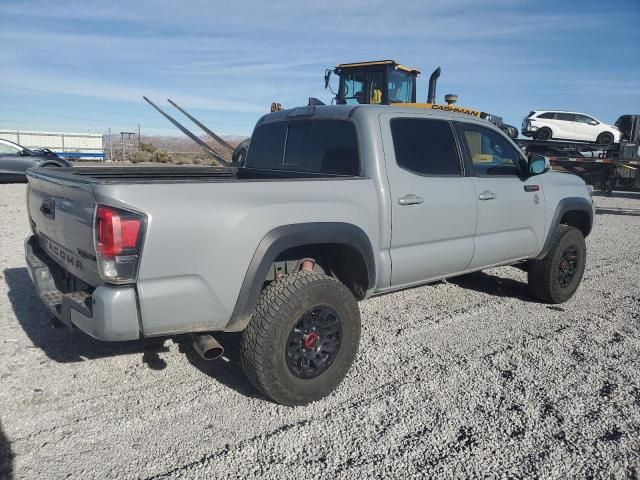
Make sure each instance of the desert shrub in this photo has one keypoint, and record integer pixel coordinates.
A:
(147, 147)
(161, 156)
(140, 156)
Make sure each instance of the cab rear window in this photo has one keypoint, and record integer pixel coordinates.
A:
(309, 146)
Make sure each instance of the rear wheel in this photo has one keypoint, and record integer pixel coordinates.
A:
(605, 138)
(543, 134)
(556, 277)
(302, 338)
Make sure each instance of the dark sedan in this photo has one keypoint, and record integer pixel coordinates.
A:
(16, 159)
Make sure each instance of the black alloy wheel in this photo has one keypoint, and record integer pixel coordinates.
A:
(302, 338)
(314, 342)
(568, 266)
(556, 277)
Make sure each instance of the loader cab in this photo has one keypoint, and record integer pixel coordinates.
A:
(379, 83)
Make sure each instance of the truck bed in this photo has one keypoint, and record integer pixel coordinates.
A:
(203, 225)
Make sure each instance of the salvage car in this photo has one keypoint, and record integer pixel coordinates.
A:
(334, 204)
(15, 160)
(560, 125)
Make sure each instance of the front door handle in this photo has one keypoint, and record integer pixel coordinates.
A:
(410, 199)
(487, 195)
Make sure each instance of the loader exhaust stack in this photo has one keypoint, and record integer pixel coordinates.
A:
(433, 79)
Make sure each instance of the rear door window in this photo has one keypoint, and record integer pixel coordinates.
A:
(425, 146)
(567, 117)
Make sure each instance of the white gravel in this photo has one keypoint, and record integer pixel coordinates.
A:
(466, 378)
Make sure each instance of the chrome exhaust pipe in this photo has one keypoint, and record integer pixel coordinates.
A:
(207, 346)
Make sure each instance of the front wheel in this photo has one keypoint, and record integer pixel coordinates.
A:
(302, 338)
(556, 277)
(605, 138)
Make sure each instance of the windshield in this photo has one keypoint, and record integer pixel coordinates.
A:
(354, 87)
(362, 87)
(401, 86)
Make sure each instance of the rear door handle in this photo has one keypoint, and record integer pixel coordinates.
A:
(487, 195)
(410, 199)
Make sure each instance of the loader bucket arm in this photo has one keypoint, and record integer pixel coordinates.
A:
(201, 125)
(189, 134)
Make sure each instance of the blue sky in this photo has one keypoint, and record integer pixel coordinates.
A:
(77, 65)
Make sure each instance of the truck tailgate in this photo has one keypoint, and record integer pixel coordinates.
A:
(61, 214)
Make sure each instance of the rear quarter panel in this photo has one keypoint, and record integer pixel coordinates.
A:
(201, 238)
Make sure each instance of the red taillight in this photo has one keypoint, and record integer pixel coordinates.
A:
(115, 233)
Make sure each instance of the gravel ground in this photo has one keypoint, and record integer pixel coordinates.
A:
(465, 378)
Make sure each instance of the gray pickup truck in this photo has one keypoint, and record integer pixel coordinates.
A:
(334, 204)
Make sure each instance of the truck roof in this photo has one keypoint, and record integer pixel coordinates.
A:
(348, 111)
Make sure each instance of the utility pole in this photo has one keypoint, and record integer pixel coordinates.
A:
(110, 147)
(138, 136)
(128, 143)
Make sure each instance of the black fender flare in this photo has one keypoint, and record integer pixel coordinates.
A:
(566, 205)
(288, 236)
(57, 162)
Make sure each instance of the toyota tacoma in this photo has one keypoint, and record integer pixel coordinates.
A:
(334, 204)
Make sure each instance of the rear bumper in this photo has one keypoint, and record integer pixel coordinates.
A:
(107, 313)
(528, 130)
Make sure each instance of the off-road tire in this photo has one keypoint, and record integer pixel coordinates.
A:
(264, 341)
(544, 134)
(543, 275)
(605, 138)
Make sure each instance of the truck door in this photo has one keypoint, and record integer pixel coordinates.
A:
(433, 204)
(511, 207)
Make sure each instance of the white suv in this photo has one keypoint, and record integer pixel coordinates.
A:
(558, 125)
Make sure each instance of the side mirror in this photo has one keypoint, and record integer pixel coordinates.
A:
(593, 122)
(327, 76)
(537, 164)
